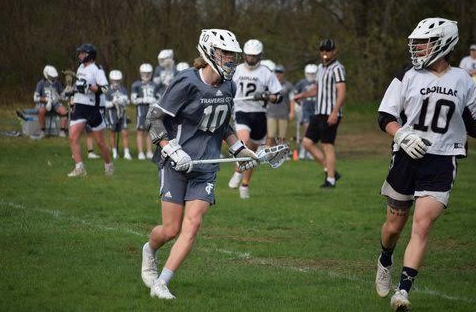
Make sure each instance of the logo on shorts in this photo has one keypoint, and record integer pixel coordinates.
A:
(219, 93)
(458, 145)
(209, 188)
(168, 195)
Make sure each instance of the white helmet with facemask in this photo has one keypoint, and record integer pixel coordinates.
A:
(214, 45)
(50, 73)
(145, 71)
(115, 78)
(310, 71)
(166, 58)
(432, 39)
(253, 48)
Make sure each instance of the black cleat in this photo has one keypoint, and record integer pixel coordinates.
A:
(327, 184)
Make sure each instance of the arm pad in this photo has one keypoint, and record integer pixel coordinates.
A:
(384, 119)
(155, 125)
(469, 122)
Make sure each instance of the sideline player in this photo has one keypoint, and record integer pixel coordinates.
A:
(91, 83)
(190, 122)
(116, 101)
(308, 105)
(330, 91)
(257, 81)
(144, 93)
(166, 70)
(468, 63)
(427, 109)
(47, 97)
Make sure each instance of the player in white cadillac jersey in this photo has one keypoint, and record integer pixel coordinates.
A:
(428, 109)
(257, 86)
(91, 84)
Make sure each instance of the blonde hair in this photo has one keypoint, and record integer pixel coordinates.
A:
(199, 62)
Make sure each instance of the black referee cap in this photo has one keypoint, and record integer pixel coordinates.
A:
(327, 45)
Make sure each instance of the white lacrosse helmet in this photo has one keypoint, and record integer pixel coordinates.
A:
(145, 71)
(253, 47)
(115, 77)
(166, 58)
(437, 36)
(182, 65)
(310, 71)
(270, 64)
(210, 45)
(50, 73)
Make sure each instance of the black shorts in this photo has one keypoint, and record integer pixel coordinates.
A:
(90, 115)
(142, 110)
(114, 122)
(319, 129)
(433, 175)
(255, 123)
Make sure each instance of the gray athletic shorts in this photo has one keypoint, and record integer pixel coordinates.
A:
(179, 187)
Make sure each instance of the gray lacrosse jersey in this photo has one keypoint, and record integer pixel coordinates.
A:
(198, 115)
(163, 77)
(248, 81)
(304, 85)
(52, 91)
(144, 93)
(117, 96)
(93, 74)
(326, 78)
(468, 64)
(281, 110)
(433, 106)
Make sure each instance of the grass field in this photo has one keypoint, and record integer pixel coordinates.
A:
(74, 244)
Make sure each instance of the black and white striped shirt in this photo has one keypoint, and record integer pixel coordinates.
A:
(326, 78)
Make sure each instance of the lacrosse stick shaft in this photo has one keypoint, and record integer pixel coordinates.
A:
(246, 98)
(219, 160)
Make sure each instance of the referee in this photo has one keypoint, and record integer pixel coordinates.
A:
(330, 95)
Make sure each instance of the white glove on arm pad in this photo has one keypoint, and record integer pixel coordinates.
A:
(49, 105)
(411, 143)
(181, 160)
(238, 149)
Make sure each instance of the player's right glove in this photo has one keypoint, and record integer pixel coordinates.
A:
(411, 143)
(261, 96)
(181, 160)
(81, 85)
(238, 149)
(49, 105)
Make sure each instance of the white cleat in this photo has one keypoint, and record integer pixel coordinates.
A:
(77, 172)
(161, 291)
(400, 302)
(149, 155)
(235, 180)
(141, 156)
(149, 272)
(109, 169)
(127, 156)
(114, 153)
(244, 192)
(62, 134)
(383, 280)
(93, 155)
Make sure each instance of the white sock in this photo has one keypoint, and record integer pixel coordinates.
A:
(147, 246)
(325, 169)
(114, 150)
(80, 165)
(126, 151)
(331, 180)
(166, 275)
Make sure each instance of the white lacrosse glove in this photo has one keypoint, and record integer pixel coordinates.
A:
(49, 105)
(238, 149)
(181, 160)
(82, 85)
(109, 104)
(411, 143)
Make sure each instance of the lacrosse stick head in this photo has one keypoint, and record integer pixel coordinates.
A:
(273, 155)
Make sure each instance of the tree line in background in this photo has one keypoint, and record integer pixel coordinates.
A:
(370, 35)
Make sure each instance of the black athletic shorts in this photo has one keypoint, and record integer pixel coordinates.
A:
(255, 122)
(319, 129)
(433, 175)
(90, 115)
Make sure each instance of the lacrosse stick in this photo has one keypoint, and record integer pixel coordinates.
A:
(246, 98)
(274, 156)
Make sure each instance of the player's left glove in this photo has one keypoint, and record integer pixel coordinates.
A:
(261, 96)
(49, 105)
(411, 143)
(238, 149)
(181, 160)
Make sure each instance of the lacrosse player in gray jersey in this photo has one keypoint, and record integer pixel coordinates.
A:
(116, 101)
(166, 70)
(190, 122)
(47, 97)
(144, 93)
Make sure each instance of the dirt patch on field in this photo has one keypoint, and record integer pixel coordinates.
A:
(363, 144)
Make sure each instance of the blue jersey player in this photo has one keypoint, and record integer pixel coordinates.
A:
(190, 122)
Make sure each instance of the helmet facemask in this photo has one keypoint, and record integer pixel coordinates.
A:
(223, 62)
(423, 52)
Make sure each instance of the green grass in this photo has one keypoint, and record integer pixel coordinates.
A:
(74, 244)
